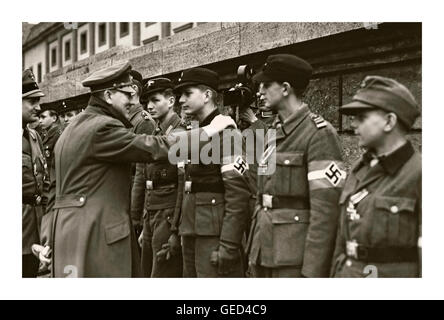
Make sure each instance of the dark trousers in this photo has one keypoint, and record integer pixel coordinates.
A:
(197, 252)
(30, 266)
(156, 231)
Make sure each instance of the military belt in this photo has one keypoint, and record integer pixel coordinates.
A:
(156, 184)
(282, 202)
(381, 255)
(194, 187)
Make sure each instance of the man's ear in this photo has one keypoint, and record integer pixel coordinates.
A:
(171, 101)
(392, 120)
(287, 88)
(107, 96)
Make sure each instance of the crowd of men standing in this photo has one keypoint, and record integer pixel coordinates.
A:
(102, 197)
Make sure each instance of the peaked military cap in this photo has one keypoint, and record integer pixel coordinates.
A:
(30, 89)
(197, 76)
(383, 93)
(285, 68)
(117, 76)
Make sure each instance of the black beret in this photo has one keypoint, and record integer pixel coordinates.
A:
(197, 76)
(116, 76)
(285, 68)
(386, 94)
(30, 89)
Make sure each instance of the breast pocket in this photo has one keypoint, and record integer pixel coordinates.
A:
(394, 221)
(210, 209)
(291, 175)
(289, 233)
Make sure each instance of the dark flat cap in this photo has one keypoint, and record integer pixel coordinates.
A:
(30, 89)
(285, 68)
(197, 76)
(116, 76)
(156, 85)
(386, 94)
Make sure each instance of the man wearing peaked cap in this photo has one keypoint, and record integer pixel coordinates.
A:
(212, 239)
(93, 230)
(299, 179)
(381, 212)
(34, 174)
(158, 190)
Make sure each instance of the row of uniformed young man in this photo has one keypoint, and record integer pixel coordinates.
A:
(307, 219)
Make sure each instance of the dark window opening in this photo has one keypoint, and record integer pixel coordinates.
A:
(67, 50)
(102, 34)
(83, 42)
(124, 29)
(53, 57)
(183, 28)
(39, 73)
(149, 40)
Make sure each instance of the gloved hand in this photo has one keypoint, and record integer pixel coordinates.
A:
(218, 124)
(169, 249)
(42, 253)
(225, 258)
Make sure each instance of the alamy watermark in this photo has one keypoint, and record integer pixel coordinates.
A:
(225, 148)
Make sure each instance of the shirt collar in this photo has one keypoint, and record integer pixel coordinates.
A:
(209, 118)
(168, 122)
(392, 161)
(289, 124)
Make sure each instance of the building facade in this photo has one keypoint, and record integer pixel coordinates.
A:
(63, 54)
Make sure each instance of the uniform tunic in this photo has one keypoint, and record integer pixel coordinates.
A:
(295, 221)
(381, 217)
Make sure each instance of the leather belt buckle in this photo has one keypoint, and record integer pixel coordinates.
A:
(267, 201)
(149, 185)
(352, 249)
(187, 186)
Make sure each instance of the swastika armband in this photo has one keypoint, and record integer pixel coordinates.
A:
(239, 165)
(326, 174)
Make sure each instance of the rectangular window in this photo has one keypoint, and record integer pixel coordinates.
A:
(124, 29)
(102, 34)
(83, 42)
(53, 57)
(149, 40)
(67, 50)
(39, 73)
(183, 27)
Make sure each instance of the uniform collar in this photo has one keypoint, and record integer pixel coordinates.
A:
(170, 121)
(289, 124)
(209, 118)
(99, 106)
(390, 162)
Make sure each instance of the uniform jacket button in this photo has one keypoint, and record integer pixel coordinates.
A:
(287, 162)
(394, 209)
(82, 199)
(296, 218)
(348, 263)
(213, 201)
